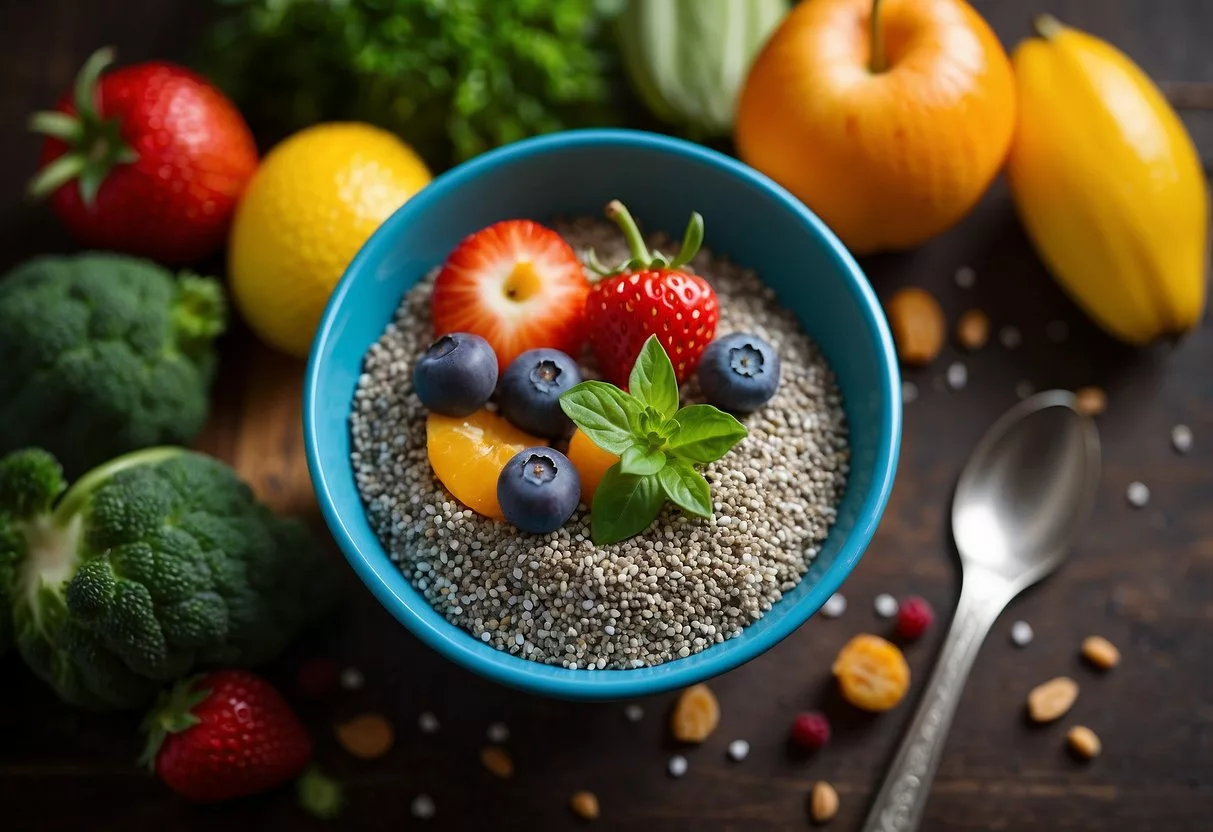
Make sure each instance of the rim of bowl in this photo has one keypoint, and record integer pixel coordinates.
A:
(557, 681)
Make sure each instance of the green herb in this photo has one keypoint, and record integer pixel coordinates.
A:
(658, 445)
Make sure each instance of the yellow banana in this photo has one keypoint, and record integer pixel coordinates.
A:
(1109, 186)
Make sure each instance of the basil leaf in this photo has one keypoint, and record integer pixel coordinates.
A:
(641, 461)
(652, 380)
(606, 414)
(624, 506)
(704, 434)
(686, 487)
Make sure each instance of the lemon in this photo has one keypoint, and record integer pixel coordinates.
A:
(313, 202)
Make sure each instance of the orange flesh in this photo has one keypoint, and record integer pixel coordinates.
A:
(872, 673)
(591, 463)
(468, 453)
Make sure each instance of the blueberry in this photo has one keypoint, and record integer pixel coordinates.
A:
(530, 390)
(456, 375)
(538, 490)
(739, 372)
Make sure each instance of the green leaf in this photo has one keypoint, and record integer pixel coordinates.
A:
(624, 505)
(642, 461)
(686, 487)
(652, 380)
(606, 414)
(704, 434)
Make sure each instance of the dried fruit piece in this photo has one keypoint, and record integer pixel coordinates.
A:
(1090, 401)
(497, 761)
(811, 730)
(973, 329)
(1051, 700)
(823, 802)
(1100, 652)
(366, 736)
(696, 715)
(872, 673)
(914, 618)
(585, 804)
(918, 325)
(1084, 742)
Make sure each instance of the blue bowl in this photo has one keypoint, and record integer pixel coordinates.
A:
(747, 217)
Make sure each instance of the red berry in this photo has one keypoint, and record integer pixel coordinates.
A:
(914, 617)
(811, 730)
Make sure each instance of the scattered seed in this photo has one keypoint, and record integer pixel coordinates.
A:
(423, 807)
(834, 606)
(1138, 494)
(1091, 401)
(918, 325)
(1084, 742)
(498, 732)
(965, 277)
(1181, 438)
(957, 375)
(352, 679)
(1100, 652)
(1009, 337)
(1021, 634)
(696, 715)
(633, 712)
(1024, 389)
(1057, 331)
(823, 802)
(585, 804)
(1051, 700)
(909, 391)
(886, 605)
(739, 750)
(497, 761)
(428, 723)
(678, 765)
(366, 736)
(973, 329)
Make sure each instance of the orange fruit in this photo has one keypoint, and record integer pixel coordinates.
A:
(467, 454)
(872, 673)
(591, 463)
(888, 119)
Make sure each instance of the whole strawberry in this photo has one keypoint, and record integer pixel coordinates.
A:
(225, 734)
(148, 160)
(650, 295)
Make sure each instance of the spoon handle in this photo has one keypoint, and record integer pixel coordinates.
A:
(903, 796)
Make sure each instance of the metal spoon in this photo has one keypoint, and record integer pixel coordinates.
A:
(1024, 494)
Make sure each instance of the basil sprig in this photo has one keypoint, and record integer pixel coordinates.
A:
(658, 445)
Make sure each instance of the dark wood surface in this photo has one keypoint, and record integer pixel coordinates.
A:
(1142, 578)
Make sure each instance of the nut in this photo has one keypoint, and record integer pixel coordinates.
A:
(918, 325)
(973, 329)
(823, 802)
(1052, 699)
(1091, 401)
(366, 736)
(1084, 742)
(696, 715)
(497, 761)
(1100, 652)
(585, 804)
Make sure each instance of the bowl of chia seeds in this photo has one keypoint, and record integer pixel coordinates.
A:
(794, 504)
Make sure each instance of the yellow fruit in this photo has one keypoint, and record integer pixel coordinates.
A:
(314, 201)
(591, 463)
(1109, 185)
(468, 453)
(872, 673)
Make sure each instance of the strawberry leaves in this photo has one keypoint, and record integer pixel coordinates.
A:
(658, 445)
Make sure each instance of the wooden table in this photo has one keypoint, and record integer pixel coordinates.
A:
(1143, 578)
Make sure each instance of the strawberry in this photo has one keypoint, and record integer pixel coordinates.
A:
(149, 160)
(650, 295)
(223, 735)
(518, 285)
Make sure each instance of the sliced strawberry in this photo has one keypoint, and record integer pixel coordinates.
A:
(518, 285)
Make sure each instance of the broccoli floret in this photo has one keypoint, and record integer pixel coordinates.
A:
(155, 564)
(104, 354)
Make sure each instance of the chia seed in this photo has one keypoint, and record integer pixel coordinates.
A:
(681, 586)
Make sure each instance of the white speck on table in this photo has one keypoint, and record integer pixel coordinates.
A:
(1138, 494)
(909, 391)
(958, 375)
(428, 723)
(965, 277)
(834, 606)
(633, 712)
(678, 765)
(1021, 633)
(1181, 438)
(1009, 337)
(498, 732)
(886, 605)
(423, 807)
(352, 679)
(739, 750)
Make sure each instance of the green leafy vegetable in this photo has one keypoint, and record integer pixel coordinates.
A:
(658, 445)
(104, 354)
(156, 563)
(452, 77)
